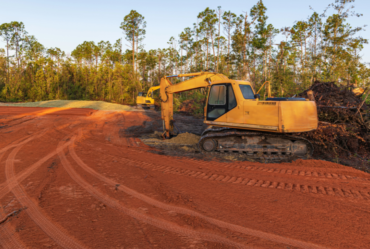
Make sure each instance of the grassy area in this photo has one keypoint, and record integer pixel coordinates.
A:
(96, 105)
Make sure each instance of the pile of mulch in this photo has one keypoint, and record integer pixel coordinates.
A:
(344, 121)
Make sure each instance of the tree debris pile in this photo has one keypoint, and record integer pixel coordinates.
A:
(344, 121)
(330, 96)
(336, 138)
(188, 106)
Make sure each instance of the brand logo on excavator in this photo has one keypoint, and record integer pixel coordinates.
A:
(266, 103)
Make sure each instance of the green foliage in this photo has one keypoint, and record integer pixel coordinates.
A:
(133, 26)
(191, 102)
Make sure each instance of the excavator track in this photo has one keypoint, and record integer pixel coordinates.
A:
(260, 146)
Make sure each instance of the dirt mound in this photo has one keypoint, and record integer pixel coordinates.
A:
(96, 105)
(184, 138)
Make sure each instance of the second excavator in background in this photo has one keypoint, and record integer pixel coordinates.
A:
(239, 122)
(146, 100)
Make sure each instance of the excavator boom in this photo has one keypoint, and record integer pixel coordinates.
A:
(167, 89)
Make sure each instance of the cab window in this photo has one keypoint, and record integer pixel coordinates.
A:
(217, 95)
(247, 91)
(232, 100)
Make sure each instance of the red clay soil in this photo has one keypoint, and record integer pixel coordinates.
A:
(5, 110)
(72, 181)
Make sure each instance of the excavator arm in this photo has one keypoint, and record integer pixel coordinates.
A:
(167, 89)
(151, 90)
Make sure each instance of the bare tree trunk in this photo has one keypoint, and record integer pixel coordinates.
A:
(196, 48)
(207, 63)
(219, 33)
(213, 46)
(159, 67)
(191, 61)
(133, 52)
(7, 57)
(182, 63)
(228, 47)
(176, 67)
(137, 51)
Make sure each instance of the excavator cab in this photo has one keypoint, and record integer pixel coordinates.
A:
(222, 99)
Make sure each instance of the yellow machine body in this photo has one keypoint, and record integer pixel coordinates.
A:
(273, 116)
(146, 99)
(358, 91)
(233, 104)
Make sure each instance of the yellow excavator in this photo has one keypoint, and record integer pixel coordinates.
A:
(146, 100)
(241, 123)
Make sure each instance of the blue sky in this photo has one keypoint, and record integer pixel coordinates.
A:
(67, 23)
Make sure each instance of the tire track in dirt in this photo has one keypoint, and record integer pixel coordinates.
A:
(159, 223)
(9, 239)
(52, 230)
(352, 193)
(112, 132)
(30, 115)
(5, 188)
(16, 127)
(20, 119)
(130, 141)
(321, 175)
(19, 142)
(296, 172)
(151, 201)
(328, 174)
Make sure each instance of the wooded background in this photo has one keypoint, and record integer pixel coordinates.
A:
(245, 46)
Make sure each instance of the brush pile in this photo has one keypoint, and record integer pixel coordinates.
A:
(344, 121)
(188, 106)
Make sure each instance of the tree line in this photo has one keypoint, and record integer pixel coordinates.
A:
(322, 47)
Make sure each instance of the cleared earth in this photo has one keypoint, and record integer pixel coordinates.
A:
(96, 105)
(82, 178)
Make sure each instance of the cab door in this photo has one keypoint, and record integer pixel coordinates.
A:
(221, 101)
(216, 106)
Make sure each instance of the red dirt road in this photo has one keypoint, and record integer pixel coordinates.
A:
(69, 180)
